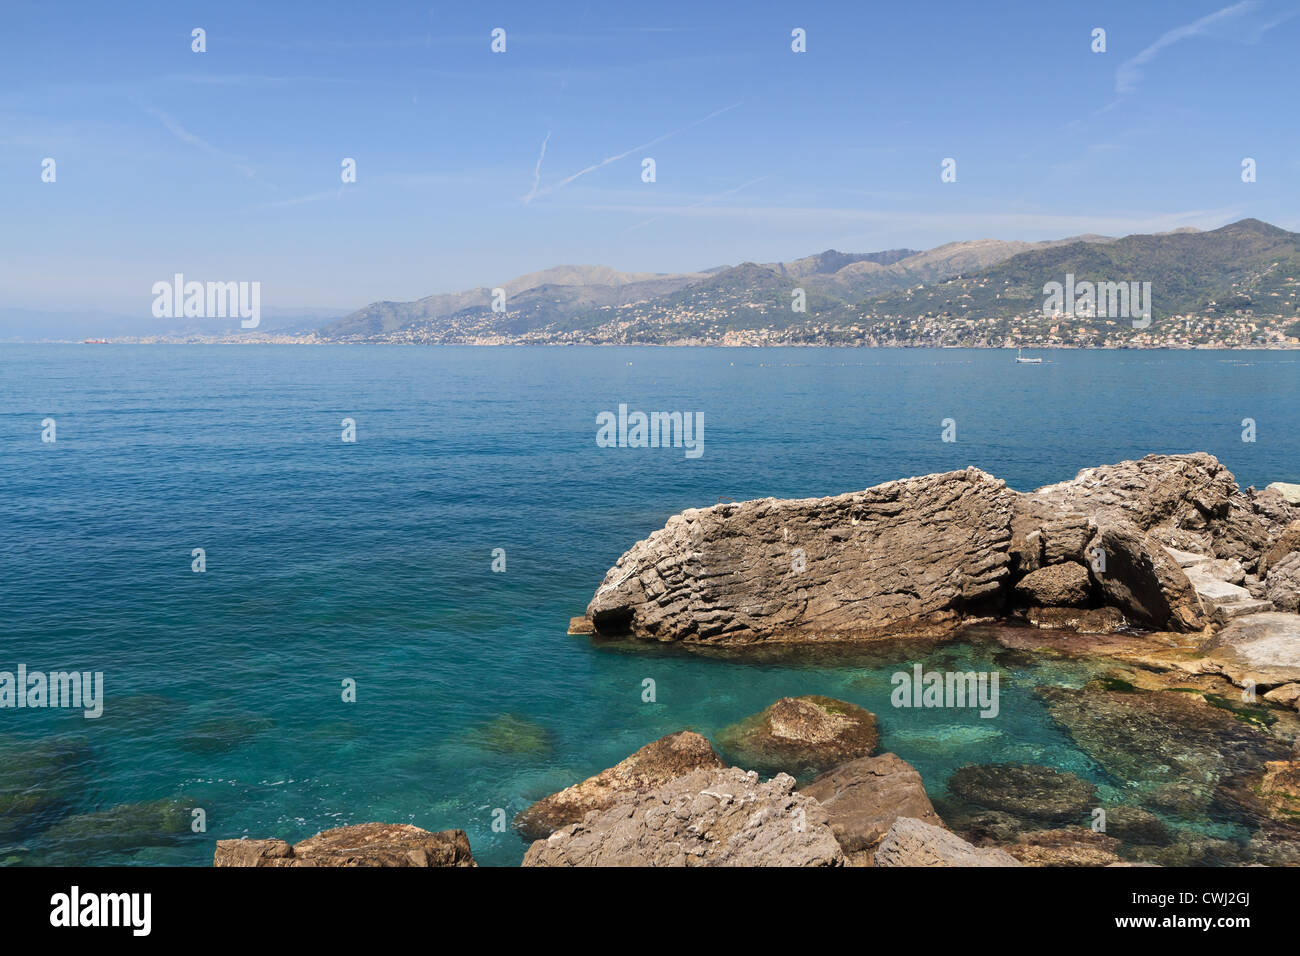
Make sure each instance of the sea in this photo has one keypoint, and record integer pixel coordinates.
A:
(297, 631)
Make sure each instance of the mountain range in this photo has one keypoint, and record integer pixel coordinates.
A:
(1237, 285)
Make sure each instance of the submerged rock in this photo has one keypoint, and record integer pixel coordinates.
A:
(1274, 793)
(511, 734)
(652, 766)
(917, 843)
(123, 829)
(1026, 791)
(1177, 749)
(802, 736)
(1130, 824)
(40, 781)
(366, 844)
(224, 734)
(863, 798)
(706, 818)
(1069, 847)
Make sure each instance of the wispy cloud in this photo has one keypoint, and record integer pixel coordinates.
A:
(623, 155)
(537, 171)
(1237, 16)
(174, 127)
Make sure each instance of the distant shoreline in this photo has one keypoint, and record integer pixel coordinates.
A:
(1271, 347)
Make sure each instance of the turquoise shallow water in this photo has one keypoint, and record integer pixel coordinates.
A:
(372, 560)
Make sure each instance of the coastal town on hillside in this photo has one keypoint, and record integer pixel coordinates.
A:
(630, 325)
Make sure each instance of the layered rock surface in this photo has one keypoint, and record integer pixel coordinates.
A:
(854, 566)
(921, 555)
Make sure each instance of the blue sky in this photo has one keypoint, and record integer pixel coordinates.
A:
(226, 164)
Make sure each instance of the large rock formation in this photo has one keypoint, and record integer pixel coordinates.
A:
(904, 555)
(919, 556)
(801, 736)
(706, 818)
(864, 798)
(366, 844)
(652, 766)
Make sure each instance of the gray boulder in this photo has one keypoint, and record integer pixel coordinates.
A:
(916, 843)
(706, 818)
(1282, 586)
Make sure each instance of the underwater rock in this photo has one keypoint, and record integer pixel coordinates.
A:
(1130, 824)
(123, 829)
(1177, 749)
(706, 818)
(511, 734)
(863, 798)
(1274, 793)
(365, 844)
(1026, 791)
(40, 781)
(1069, 847)
(1190, 848)
(652, 766)
(801, 736)
(986, 826)
(224, 734)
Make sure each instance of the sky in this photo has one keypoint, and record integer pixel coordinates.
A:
(474, 166)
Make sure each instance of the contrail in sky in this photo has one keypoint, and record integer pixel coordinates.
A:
(613, 159)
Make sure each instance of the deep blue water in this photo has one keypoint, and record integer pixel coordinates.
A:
(372, 560)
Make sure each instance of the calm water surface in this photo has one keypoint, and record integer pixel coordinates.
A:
(372, 561)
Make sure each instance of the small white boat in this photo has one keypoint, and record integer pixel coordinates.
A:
(1021, 360)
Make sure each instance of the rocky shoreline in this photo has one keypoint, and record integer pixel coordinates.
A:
(1183, 586)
